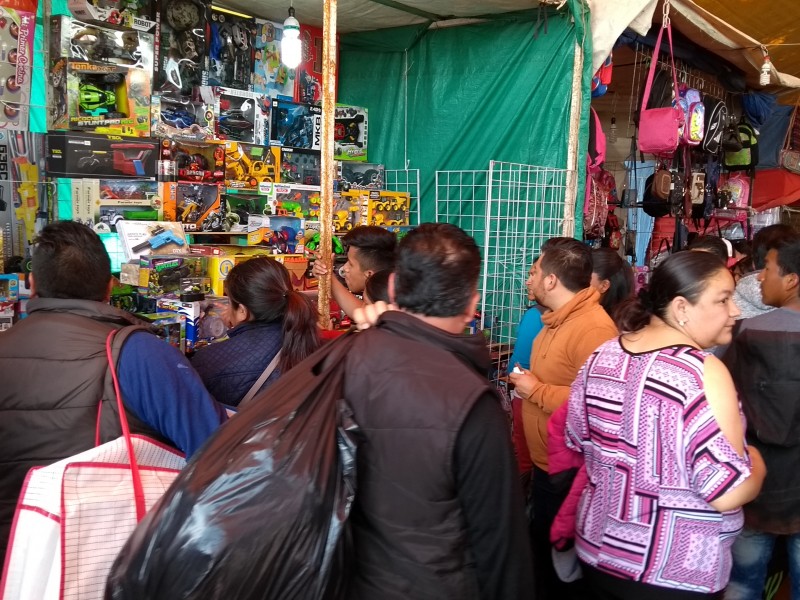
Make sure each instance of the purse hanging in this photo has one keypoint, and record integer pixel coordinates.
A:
(790, 157)
(660, 128)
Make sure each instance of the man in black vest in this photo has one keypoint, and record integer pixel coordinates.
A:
(439, 509)
(54, 370)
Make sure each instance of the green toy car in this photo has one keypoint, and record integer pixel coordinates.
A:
(96, 101)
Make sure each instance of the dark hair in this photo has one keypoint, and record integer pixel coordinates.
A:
(376, 247)
(608, 264)
(377, 286)
(681, 274)
(789, 258)
(70, 261)
(437, 270)
(264, 288)
(771, 237)
(568, 259)
(713, 245)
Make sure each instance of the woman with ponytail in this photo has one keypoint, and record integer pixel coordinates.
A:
(273, 327)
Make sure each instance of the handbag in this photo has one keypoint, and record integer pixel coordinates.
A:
(74, 516)
(790, 158)
(660, 128)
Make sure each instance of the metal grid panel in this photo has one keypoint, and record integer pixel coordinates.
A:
(405, 180)
(461, 199)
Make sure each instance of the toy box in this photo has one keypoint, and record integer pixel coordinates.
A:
(145, 237)
(270, 76)
(251, 168)
(195, 205)
(195, 162)
(9, 288)
(296, 125)
(282, 234)
(211, 324)
(360, 175)
(190, 311)
(182, 119)
(159, 275)
(242, 116)
(79, 155)
(7, 314)
(229, 60)
(349, 210)
(114, 200)
(16, 62)
(220, 266)
(300, 166)
(241, 206)
(297, 265)
(169, 326)
(308, 80)
(350, 133)
(388, 208)
(296, 200)
(100, 79)
(133, 14)
(180, 58)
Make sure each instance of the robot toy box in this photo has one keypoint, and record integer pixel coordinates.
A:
(360, 176)
(229, 61)
(100, 79)
(181, 49)
(80, 155)
(16, 62)
(350, 133)
(300, 166)
(296, 200)
(388, 209)
(242, 116)
(132, 14)
(192, 162)
(182, 119)
(151, 237)
(117, 199)
(296, 125)
(195, 205)
(250, 168)
(270, 76)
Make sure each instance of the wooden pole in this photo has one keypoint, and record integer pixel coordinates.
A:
(328, 171)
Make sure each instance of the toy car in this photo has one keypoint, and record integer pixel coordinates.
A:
(96, 101)
(233, 123)
(177, 117)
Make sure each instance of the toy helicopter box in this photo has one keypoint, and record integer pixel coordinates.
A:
(242, 116)
(16, 64)
(80, 155)
(350, 133)
(151, 237)
(195, 205)
(300, 166)
(114, 200)
(270, 76)
(100, 79)
(296, 125)
(229, 60)
(251, 168)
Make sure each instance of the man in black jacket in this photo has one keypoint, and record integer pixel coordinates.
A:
(439, 510)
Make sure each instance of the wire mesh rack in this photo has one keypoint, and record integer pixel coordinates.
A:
(405, 180)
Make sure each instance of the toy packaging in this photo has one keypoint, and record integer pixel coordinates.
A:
(9, 288)
(16, 62)
(182, 119)
(100, 79)
(250, 168)
(182, 46)
(360, 175)
(270, 76)
(388, 209)
(229, 61)
(281, 234)
(296, 200)
(73, 154)
(242, 206)
(151, 237)
(242, 116)
(220, 266)
(114, 200)
(7, 315)
(350, 133)
(196, 162)
(133, 14)
(300, 166)
(308, 75)
(349, 210)
(159, 275)
(169, 326)
(195, 205)
(296, 125)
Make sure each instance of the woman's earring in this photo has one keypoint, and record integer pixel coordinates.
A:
(681, 323)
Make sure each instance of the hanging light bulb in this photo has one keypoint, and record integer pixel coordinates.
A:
(291, 47)
(766, 68)
(612, 131)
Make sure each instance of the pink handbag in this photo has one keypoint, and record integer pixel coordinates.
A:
(660, 128)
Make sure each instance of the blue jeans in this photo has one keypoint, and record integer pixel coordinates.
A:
(752, 552)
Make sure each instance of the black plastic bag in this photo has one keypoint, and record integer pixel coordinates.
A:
(261, 511)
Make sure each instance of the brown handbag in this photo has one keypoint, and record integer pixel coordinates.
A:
(662, 183)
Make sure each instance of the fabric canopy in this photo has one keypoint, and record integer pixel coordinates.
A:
(775, 187)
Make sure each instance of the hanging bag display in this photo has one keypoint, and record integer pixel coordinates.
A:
(660, 128)
(790, 157)
(74, 516)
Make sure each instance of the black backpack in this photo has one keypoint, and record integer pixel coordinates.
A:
(716, 118)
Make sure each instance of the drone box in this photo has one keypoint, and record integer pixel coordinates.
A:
(181, 50)
(251, 168)
(183, 120)
(195, 205)
(229, 60)
(360, 175)
(16, 62)
(350, 133)
(300, 166)
(296, 125)
(81, 155)
(270, 76)
(242, 116)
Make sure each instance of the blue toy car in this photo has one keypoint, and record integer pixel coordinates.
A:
(177, 117)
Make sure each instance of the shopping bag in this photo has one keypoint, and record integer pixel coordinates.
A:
(73, 516)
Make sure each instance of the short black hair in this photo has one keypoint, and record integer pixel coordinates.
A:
(715, 245)
(70, 261)
(377, 286)
(789, 257)
(376, 247)
(437, 270)
(568, 259)
(771, 237)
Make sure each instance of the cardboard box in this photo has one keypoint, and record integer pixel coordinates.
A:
(251, 168)
(300, 166)
(195, 205)
(80, 155)
(16, 66)
(350, 133)
(229, 60)
(143, 237)
(114, 200)
(360, 175)
(169, 326)
(159, 275)
(242, 116)
(270, 76)
(183, 120)
(182, 47)
(388, 209)
(296, 125)
(296, 200)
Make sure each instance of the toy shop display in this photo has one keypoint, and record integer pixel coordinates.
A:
(146, 237)
(192, 162)
(308, 75)
(132, 14)
(100, 79)
(182, 119)
(300, 166)
(229, 61)
(281, 235)
(240, 207)
(16, 62)
(182, 46)
(115, 200)
(270, 76)
(296, 200)
(350, 133)
(160, 275)
(296, 125)
(251, 168)
(242, 116)
(349, 210)
(195, 205)
(80, 155)
(360, 175)
(388, 209)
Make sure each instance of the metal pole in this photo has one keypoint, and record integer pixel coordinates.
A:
(328, 171)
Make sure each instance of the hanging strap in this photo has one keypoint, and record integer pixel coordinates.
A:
(654, 60)
(260, 381)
